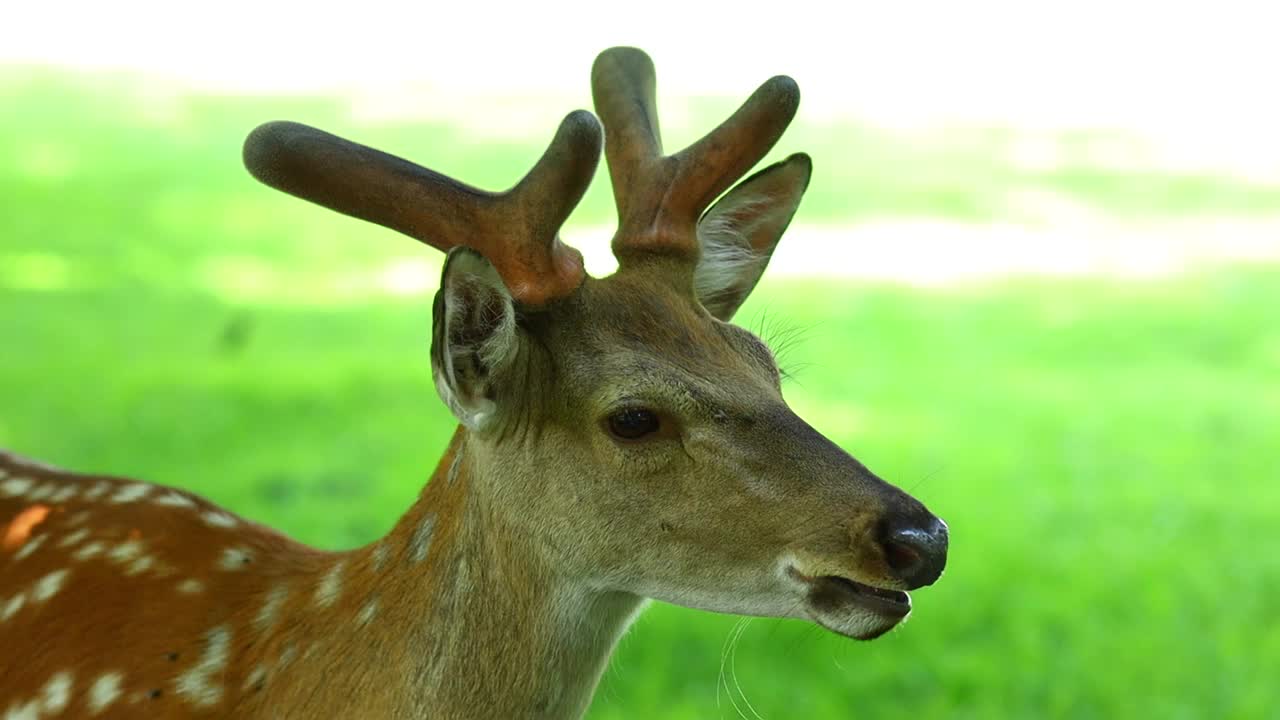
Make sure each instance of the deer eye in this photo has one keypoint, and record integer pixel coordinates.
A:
(633, 423)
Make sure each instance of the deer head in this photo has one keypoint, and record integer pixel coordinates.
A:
(622, 427)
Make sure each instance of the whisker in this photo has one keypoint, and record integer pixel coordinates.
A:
(723, 681)
(928, 476)
(782, 339)
(733, 668)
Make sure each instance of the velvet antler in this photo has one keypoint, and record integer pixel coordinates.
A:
(516, 230)
(660, 197)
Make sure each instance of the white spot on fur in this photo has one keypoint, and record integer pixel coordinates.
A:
(139, 566)
(73, 538)
(367, 612)
(175, 499)
(257, 675)
(379, 555)
(235, 558)
(30, 546)
(15, 486)
(12, 607)
(453, 466)
(42, 492)
(190, 586)
(78, 518)
(89, 550)
(420, 543)
(125, 551)
(198, 683)
(104, 691)
(65, 493)
(100, 488)
(56, 693)
(216, 518)
(266, 616)
(331, 585)
(48, 586)
(132, 492)
(288, 655)
(462, 578)
(26, 711)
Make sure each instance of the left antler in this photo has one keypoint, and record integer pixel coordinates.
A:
(515, 230)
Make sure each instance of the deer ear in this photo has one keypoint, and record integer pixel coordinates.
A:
(473, 335)
(738, 234)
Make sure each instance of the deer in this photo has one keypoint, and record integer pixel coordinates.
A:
(619, 440)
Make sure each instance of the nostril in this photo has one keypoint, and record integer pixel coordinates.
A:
(902, 559)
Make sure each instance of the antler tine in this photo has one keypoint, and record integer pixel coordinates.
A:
(515, 230)
(545, 198)
(660, 198)
(365, 183)
(709, 166)
(622, 86)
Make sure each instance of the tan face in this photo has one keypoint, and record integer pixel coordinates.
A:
(651, 452)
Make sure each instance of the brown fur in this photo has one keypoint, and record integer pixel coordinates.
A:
(502, 592)
(547, 537)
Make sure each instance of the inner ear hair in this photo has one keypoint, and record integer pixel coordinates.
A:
(737, 236)
(474, 336)
(479, 321)
(727, 258)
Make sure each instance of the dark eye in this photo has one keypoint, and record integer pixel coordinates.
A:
(633, 423)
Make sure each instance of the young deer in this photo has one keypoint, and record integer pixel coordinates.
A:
(619, 440)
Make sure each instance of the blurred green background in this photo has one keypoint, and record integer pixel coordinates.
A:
(1106, 448)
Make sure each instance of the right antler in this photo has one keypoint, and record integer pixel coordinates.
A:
(660, 198)
(515, 230)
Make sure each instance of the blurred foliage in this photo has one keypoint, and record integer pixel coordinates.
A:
(1105, 452)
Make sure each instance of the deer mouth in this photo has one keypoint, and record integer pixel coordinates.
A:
(852, 608)
(836, 590)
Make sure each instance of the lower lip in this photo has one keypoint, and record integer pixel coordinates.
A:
(865, 596)
(844, 590)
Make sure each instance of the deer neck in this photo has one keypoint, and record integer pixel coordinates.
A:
(482, 624)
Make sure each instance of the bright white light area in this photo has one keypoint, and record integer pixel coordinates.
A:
(1178, 66)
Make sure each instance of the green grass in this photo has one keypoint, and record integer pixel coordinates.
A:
(1107, 453)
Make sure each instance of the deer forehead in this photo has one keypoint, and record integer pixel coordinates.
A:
(639, 303)
(621, 330)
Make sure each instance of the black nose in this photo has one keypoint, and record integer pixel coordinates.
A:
(915, 548)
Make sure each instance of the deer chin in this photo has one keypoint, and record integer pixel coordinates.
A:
(851, 608)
